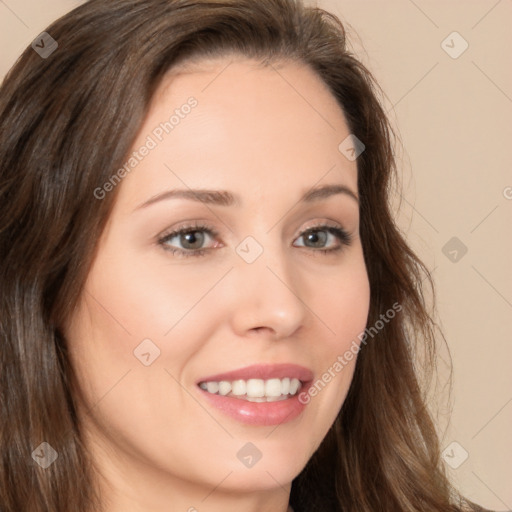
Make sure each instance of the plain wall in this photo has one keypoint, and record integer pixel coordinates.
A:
(453, 116)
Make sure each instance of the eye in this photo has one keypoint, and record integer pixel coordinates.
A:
(192, 239)
(320, 235)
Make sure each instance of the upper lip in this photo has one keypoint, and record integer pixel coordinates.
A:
(264, 372)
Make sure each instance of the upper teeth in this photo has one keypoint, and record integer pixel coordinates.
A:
(254, 388)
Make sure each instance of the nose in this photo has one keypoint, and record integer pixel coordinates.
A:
(267, 296)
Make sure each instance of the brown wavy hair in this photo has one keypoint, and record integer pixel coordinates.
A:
(67, 123)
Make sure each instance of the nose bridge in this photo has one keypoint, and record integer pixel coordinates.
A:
(268, 289)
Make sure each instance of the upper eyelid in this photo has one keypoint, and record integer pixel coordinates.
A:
(186, 228)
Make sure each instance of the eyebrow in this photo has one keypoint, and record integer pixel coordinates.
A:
(226, 198)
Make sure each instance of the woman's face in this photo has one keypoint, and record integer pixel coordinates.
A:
(250, 300)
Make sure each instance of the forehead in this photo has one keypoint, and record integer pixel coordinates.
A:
(253, 129)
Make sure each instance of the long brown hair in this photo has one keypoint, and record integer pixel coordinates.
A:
(67, 122)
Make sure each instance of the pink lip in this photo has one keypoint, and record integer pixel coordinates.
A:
(263, 371)
(260, 413)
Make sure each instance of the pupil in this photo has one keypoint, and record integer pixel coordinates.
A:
(192, 238)
(314, 237)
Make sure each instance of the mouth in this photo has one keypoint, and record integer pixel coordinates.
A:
(255, 390)
(258, 394)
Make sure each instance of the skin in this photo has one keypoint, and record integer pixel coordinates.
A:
(267, 134)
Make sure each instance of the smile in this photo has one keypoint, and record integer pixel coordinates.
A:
(259, 395)
(255, 390)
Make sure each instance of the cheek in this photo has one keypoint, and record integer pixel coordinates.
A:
(344, 306)
(131, 298)
(343, 311)
(128, 370)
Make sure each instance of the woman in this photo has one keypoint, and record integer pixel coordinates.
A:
(206, 304)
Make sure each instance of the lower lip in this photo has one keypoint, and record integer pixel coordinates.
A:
(257, 413)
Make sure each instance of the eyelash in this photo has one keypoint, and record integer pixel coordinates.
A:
(343, 236)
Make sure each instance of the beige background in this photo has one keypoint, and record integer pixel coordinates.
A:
(453, 116)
